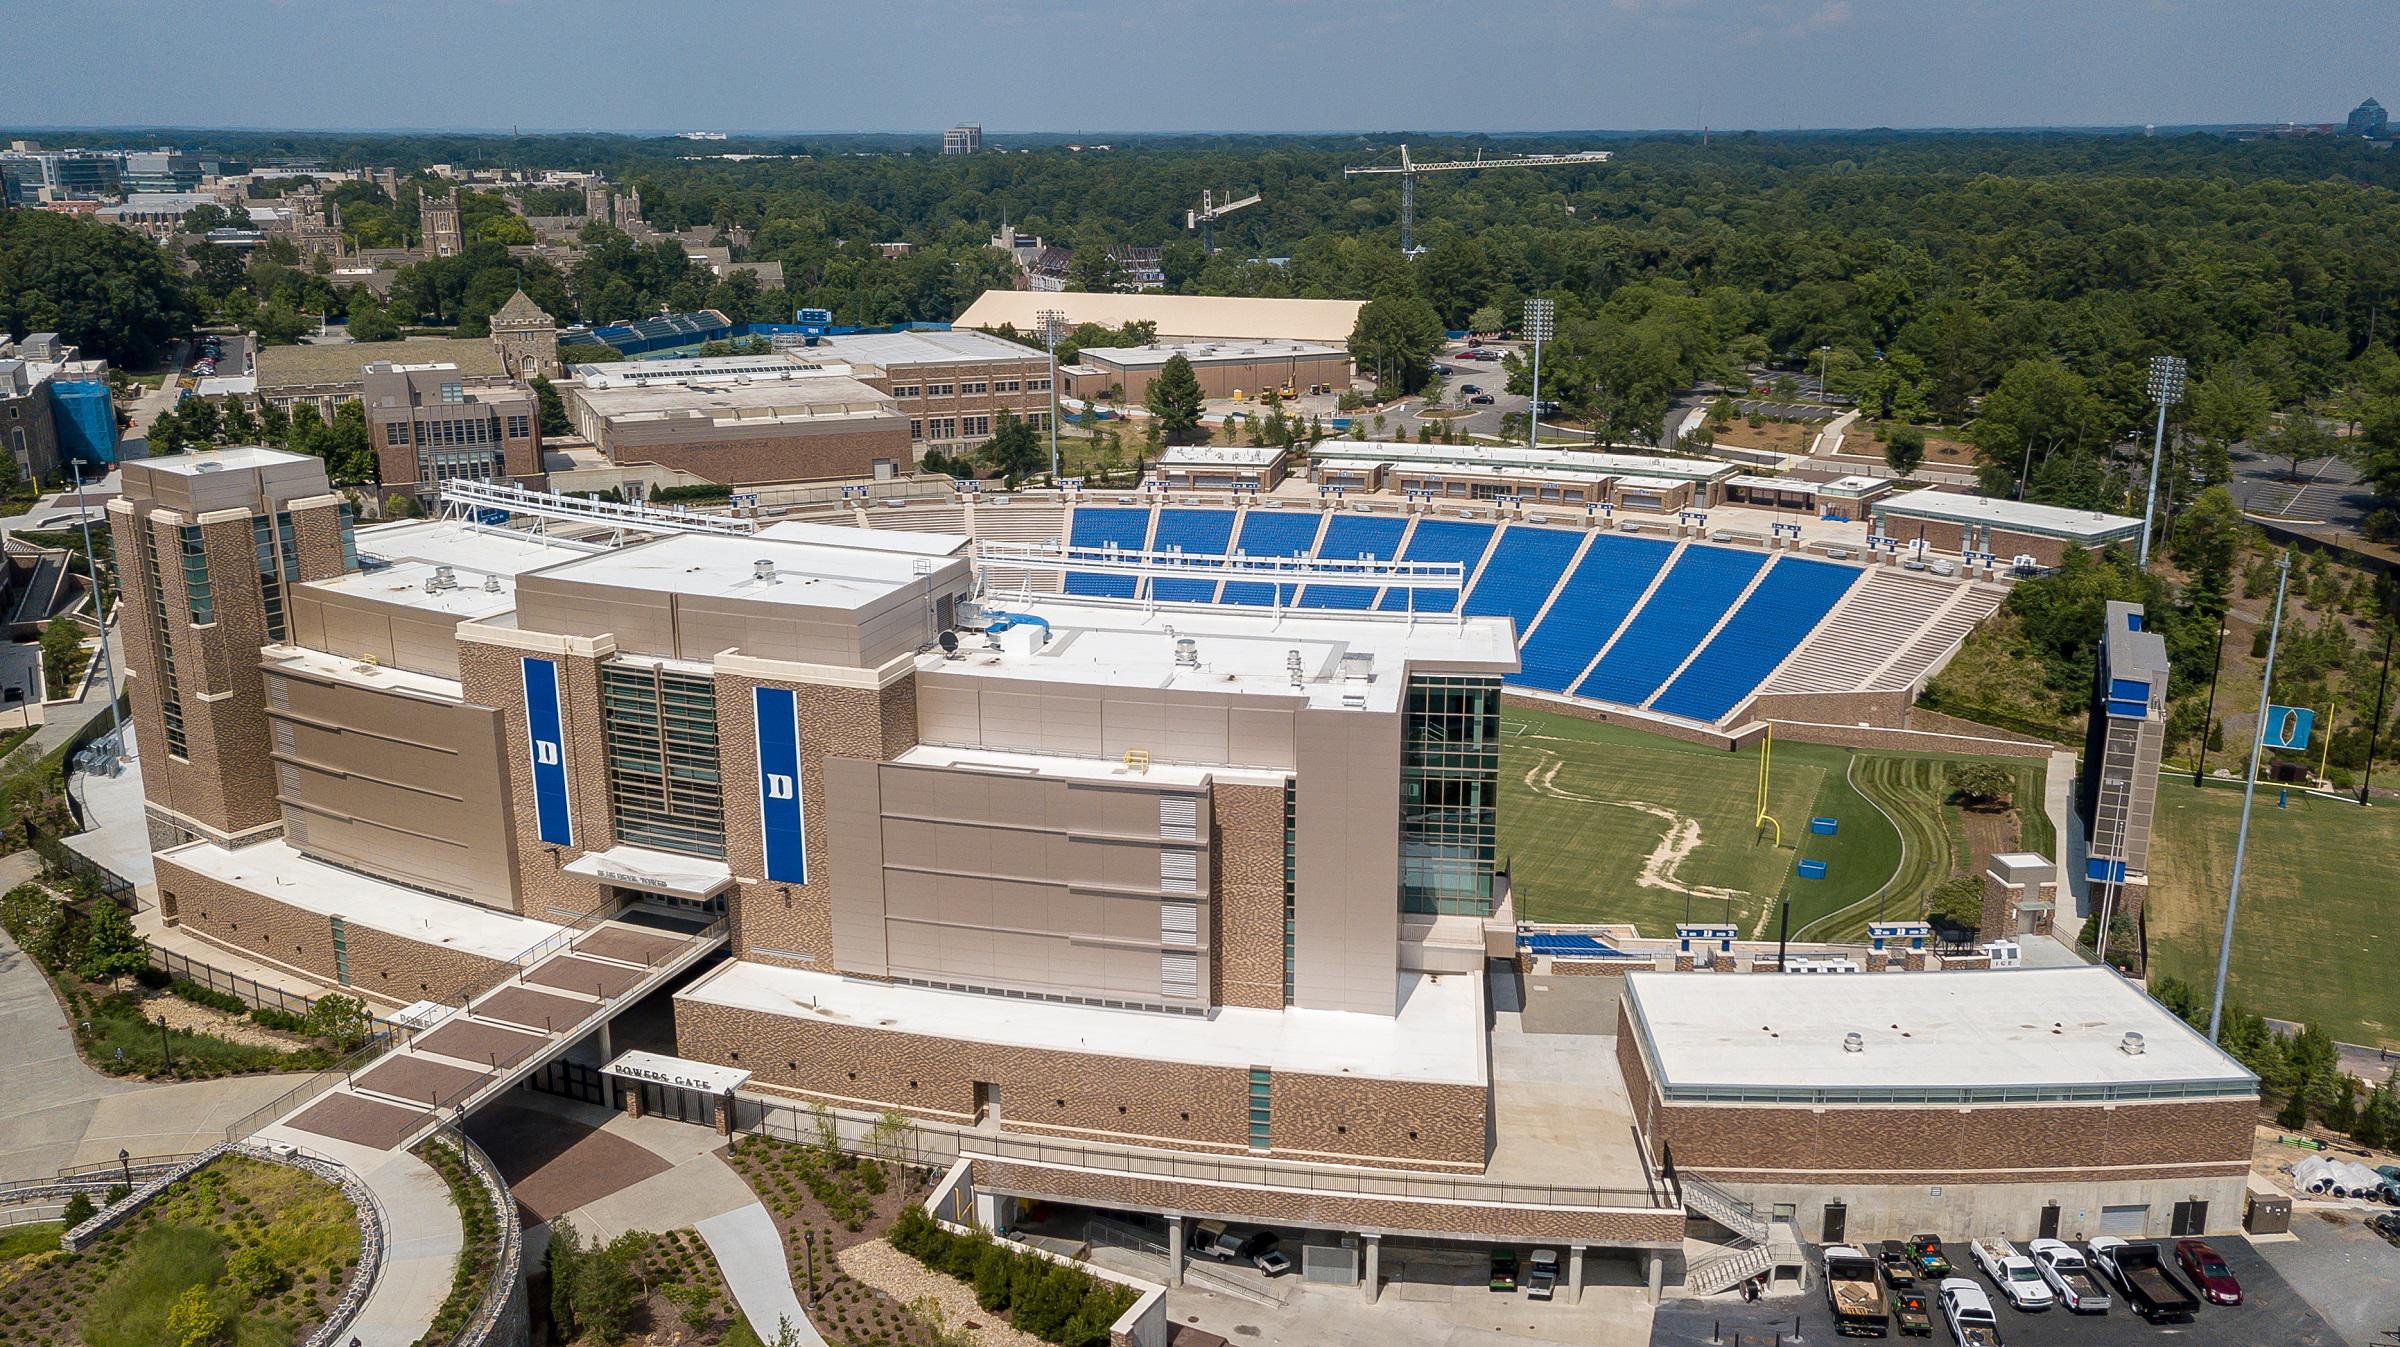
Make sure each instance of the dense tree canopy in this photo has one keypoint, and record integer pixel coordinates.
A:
(109, 291)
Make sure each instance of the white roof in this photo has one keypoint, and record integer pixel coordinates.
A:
(1966, 1037)
(472, 551)
(922, 348)
(2019, 515)
(274, 870)
(218, 385)
(807, 574)
(680, 1072)
(1437, 1036)
(1205, 352)
(1559, 462)
(1067, 768)
(1219, 455)
(221, 460)
(420, 585)
(1319, 320)
(905, 542)
(1241, 650)
(658, 871)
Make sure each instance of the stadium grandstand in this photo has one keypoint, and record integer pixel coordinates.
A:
(1680, 631)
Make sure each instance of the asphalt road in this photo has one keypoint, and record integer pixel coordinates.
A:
(2321, 491)
(2276, 1315)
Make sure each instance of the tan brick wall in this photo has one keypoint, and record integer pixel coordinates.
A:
(1908, 741)
(835, 722)
(1090, 1096)
(2049, 551)
(493, 676)
(1889, 709)
(1336, 1211)
(1248, 906)
(389, 968)
(738, 461)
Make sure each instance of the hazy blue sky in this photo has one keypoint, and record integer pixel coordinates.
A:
(1171, 65)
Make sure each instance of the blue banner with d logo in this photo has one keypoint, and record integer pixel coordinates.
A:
(782, 818)
(545, 735)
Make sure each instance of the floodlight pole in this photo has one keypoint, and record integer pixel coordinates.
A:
(1540, 315)
(1052, 320)
(2241, 845)
(2166, 385)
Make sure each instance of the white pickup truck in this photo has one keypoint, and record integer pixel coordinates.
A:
(1969, 1311)
(2079, 1288)
(2016, 1275)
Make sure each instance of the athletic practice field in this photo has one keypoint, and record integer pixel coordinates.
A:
(2317, 937)
(1604, 823)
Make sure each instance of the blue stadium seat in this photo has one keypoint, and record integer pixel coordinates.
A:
(1347, 538)
(1769, 625)
(1595, 597)
(1694, 593)
(1201, 534)
(1524, 568)
(1439, 540)
(1277, 534)
(1097, 526)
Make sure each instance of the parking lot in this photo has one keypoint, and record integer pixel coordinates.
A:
(2274, 1316)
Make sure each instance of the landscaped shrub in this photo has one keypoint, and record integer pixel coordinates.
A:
(1053, 1301)
(208, 996)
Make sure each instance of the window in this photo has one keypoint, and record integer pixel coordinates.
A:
(196, 591)
(1007, 385)
(1291, 885)
(454, 393)
(972, 387)
(942, 428)
(916, 429)
(906, 390)
(519, 427)
(397, 433)
(939, 390)
(975, 427)
(1041, 385)
(660, 729)
(1449, 784)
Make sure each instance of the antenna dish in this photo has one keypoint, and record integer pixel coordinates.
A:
(949, 641)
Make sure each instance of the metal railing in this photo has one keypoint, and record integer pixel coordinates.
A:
(249, 991)
(500, 1290)
(1380, 1184)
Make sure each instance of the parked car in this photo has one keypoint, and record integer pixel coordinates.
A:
(1969, 1313)
(1504, 1270)
(2137, 1270)
(1480, 400)
(1265, 1252)
(1259, 1248)
(1541, 1274)
(1470, 388)
(2386, 1225)
(2017, 1277)
(2078, 1288)
(2206, 1267)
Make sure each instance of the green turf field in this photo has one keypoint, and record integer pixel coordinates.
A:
(2316, 937)
(1605, 823)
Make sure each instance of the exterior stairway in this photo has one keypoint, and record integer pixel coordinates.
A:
(1747, 1257)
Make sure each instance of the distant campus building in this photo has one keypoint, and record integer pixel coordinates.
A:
(2368, 120)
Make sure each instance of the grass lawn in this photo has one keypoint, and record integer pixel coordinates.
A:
(2315, 939)
(272, 1245)
(38, 1237)
(1605, 823)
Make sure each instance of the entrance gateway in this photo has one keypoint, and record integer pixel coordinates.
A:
(673, 1087)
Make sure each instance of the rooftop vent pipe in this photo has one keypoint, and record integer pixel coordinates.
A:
(2131, 1045)
(1187, 652)
(1854, 1042)
(763, 571)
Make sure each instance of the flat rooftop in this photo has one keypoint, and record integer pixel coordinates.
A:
(353, 672)
(1436, 1037)
(427, 587)
(899, 541)
(2020, 516)
(956, 347)
(1206, 352)
(807, 574)
(793, 393)
(274, 870)
(768, 364)
(2007, 1035)
(1066, 768)
(1574, 462)
(1240, 651)
(1219, 455)
(220, 460)
(472, 551)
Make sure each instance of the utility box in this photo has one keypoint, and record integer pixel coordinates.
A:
(2267, 1213)
(1812, 869)
(1823, 826)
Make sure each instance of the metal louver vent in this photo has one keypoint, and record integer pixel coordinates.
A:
(1178, 975)
(279, 691)
(1179, 924)
(1178, 870)
(1179, 817)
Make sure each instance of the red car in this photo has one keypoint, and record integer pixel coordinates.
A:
(2206, 1267)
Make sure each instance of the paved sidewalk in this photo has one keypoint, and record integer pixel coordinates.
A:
(51, 1095)
(750, 1254)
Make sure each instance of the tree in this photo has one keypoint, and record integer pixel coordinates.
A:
(1982, 785)
(108, 290)
(194, 1321)
(2300, 438)
(204, 217)
(79, 1209)
(553, 407)
(63, 657)
(1396, 336)
(1486, 318)
(565, 1265)
(1175, 401)
(1014, 451)
(342, 1019)
(1903, 450)
(370, 320)
(2040, 409)
(1956, 902)
(2206, 541)
(1096, 270)
(111, 947)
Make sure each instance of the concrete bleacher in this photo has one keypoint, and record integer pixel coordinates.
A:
(1683, 630)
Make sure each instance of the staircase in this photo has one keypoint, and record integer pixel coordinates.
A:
(1746, 1258)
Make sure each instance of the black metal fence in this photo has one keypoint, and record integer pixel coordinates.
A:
(67, 861)
(251, 992)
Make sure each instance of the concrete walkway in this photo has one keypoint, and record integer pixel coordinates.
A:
(422, 1236)
(750, 1254)
(51, 1094)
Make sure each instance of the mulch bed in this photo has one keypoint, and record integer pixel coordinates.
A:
(846, 1310)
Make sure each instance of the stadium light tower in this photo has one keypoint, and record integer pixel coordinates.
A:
(2241, 843)
(1541, 321)
(1054, 329)
(2166, 389)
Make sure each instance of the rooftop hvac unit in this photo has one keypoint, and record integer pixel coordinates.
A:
(763, 571)
(1187, 652)
(2131, 1044)
(1854, 1042)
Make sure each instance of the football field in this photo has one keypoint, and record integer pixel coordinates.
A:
(2318, 935)
(1604, 823)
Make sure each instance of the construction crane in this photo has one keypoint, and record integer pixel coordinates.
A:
(1408, 169)
(1205, 218)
